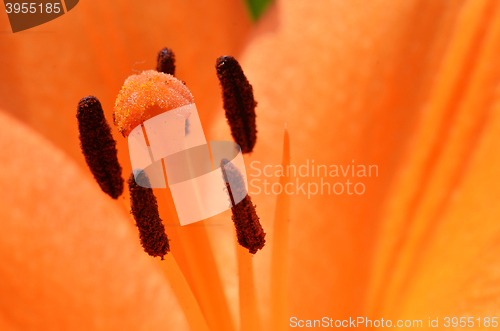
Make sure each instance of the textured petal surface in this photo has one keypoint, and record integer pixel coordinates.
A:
(438, 240)
(71, 259)
(411, 88)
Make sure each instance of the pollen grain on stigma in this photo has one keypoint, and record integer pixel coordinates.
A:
(146, 95)
(99, 147)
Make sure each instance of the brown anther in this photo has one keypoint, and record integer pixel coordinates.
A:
(166, 61)
(239, 102)
(248, 228)
(152, 234)
(99, 147)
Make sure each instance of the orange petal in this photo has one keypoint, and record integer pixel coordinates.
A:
(70, 258)
(350, 79)
(440, 223)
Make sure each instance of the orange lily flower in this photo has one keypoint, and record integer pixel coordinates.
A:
(409, 87)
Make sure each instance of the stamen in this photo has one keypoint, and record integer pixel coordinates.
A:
(99, 147)
(248, 228)
(239, 102)
(145, 210)
(166, 61)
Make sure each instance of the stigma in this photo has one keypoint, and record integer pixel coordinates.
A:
(146, 95)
